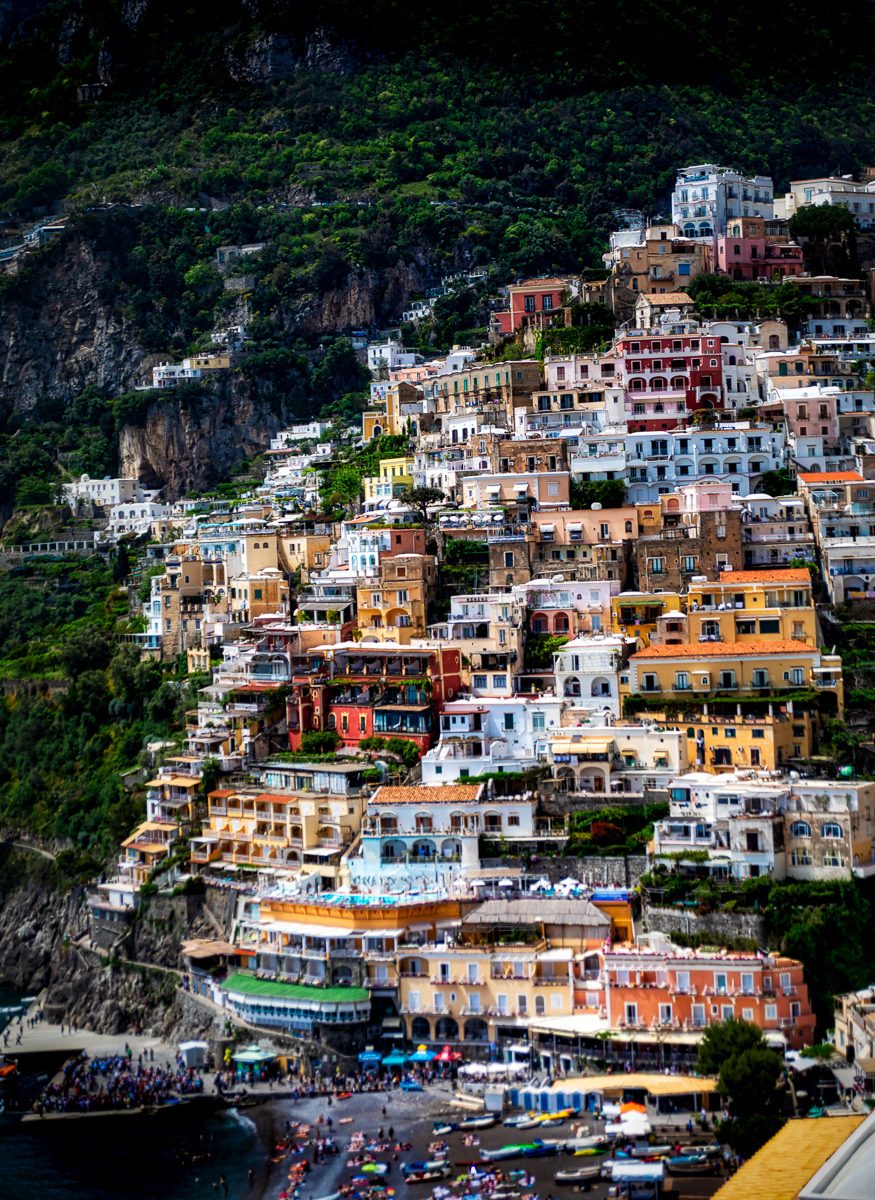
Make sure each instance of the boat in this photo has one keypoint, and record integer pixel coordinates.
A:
(552, 1119)
(476, 1122)
(581, 1175)
(593, 1144)
(511, 1151)
(444, 1127)
(540, 1149)
(411, 1085)
(652, 1151)
(563, 1114)
(438, 1171)
(698, 1164)
(525, 1121)
(712, 1150)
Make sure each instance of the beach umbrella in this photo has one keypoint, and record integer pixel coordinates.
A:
(632, 1107)
(422, 1054)
(505, 883)
(395, 1059)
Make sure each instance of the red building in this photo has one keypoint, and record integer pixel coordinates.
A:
(669, 376)
(749, 252)
(533, 302)
(365, 689)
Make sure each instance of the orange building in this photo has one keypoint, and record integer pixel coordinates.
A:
(673, 990)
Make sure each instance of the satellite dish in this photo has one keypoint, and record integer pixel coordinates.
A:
(596, 506)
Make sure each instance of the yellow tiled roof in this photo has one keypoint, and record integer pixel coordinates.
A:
(787, 1162)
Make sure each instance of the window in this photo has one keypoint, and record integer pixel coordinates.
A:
(530, 303)
(682, 682)
(771, 1012)
(747, 984)
(481, 681)
(656, 566)
(770, 626)
(760, 678)
(800, 829)
(540, 1007)
(508, 721)
(689, 563)
(665, 1014)
(538, 723)
(832, 831)
(499, 681)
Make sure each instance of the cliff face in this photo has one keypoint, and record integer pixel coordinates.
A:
(56, 336)
(187, 448)
(364, 298)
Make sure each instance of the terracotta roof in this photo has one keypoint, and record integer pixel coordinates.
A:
(668, 298)
(725, 650)
(448, 793)
(541, 281)
(785, 575)
(832, 477)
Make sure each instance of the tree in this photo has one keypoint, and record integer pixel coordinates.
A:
(777, 483)
(86, 649)
(748, 1074)
(319, 741)
(609, 493)
(722, 1042)
(421, 497)
(121, 567)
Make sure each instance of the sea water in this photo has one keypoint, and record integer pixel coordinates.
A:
(125, 1158)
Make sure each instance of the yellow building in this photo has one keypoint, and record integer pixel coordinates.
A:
(309, 551)
(513, 961)
(394, 478)
(732, 670)
(750, 598)
(253, 595)
(209, 362)
(145, 848)
(636, 614)
(395, 609)
(768, 741)
(198, 660)
(303, 825)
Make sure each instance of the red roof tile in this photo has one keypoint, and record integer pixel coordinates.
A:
(724, 650)
(783, 575)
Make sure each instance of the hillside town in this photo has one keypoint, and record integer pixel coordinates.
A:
(514, 695)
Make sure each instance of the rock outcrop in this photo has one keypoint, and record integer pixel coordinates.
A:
(273, 56)
(184, 449)
(56, 336)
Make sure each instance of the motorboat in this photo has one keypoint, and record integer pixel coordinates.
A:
(581, 1175)
(698, 1164)
(478, 1122)
(586, 1145)
(444, 1127)
(511, 1151)
(524, 1121)
(431, 1164)
(645, 1151)
(540, 1149)
(551, 1119)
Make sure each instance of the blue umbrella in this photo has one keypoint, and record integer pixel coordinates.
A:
(421, 1056)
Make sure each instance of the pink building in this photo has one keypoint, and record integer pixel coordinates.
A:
(532, 302)
(747, 253)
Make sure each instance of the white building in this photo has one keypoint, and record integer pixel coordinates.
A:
(136, 517)
(857, 198)
(705, 196)
(312, 431)
(737, 454)
(587, 673)
(594, 757)
(774, 530)
(107, 492)
(390, 355)
(484, 734)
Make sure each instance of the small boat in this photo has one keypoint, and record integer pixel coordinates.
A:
(540, 1149)
(343, 1096)
(476, 1122)
(511, 1151)
(444, 1127)
(697, 1164)
(587, 1145)
(579, 1176)
(562, 1115)
(552, 1119)
(525, 1121)
(645, 1151)
(438, 1171)
(712, 1150)
(411, 1085)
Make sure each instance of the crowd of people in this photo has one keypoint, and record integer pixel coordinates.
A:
(117, 1082)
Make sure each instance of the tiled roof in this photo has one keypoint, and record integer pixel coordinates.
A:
(448, 793)
(832, 477)
(724, 650)
(786, 575)
(669, 298)
(541, 281)
(781, 1169)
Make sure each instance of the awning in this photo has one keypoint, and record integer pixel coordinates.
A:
(448, 924)
(494, 488)
(548, 528)
(420, 926)
(520, 487)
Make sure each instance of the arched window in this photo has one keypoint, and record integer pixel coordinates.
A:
(705, 381)
(736, 249)
(540, 1006)
(732, 360)
(800, 829)
(832, 831)
(657, 385)
(637, 385)
(673, 505)
(648, 514)
(678, 383)
(628, 527)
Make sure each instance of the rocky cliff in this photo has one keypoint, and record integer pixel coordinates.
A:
(56, 336)
(188, 448)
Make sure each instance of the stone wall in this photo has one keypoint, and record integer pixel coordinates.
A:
(599, 872)
(716, 925)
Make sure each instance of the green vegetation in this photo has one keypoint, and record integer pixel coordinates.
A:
(614, 831)
(736, 1051)
(609, 493)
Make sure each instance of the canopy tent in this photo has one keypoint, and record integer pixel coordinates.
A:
(194, 1053)
(254, 1055)
(422, 1054)
(448, 1054)
(395, 1059)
